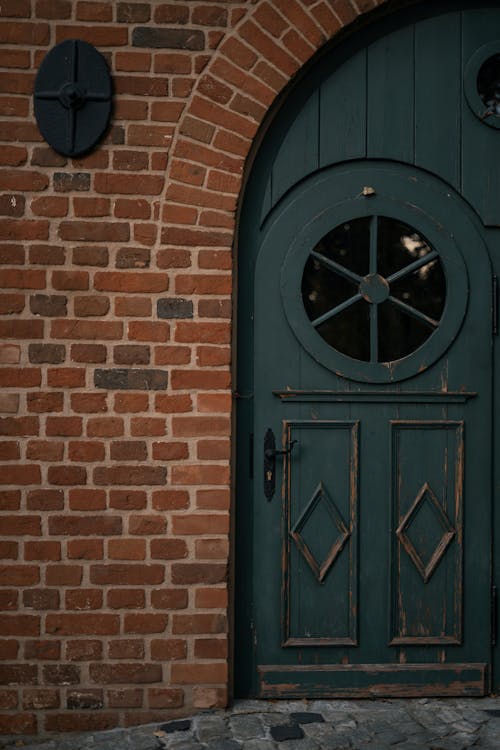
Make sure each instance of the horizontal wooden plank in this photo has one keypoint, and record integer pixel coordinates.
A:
(372, 680)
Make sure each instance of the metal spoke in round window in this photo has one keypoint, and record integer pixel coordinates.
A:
(374, 289)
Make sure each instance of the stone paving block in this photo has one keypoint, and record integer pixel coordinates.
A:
(283, 732)
(246, 727)
(211, 728)
(223, 745)
(304, 744)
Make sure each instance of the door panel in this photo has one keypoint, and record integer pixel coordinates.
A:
(359, 582)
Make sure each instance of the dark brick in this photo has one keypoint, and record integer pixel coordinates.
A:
(46, 157)
(133, 257)
(65, 182)
(131, 355)
(41, 598)
(12, 204)
(133, 12)
(49, 305)
(168, 38)
(90, 256)
(307, 717)
(52, 354)
(117, 135)
(133, 380)
(61, 674)
(286, 732)
(85, 699)
(181, 725)
(175, 308)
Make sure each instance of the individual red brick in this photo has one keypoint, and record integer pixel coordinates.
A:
(86, 231)
(9, 601)
(168, 549)
(57, 9)
(18, 525)
(145, 623)
(105, 427)
(165, 698)
(214, 403)
(39, 699)
(94, 11)
(129, 184)
(214, 308)
(45, 402)
(211, 648)
(41, 599)
(24, 723)
(73, 525)
(170, 451)
(90, 256)
(126, 648)
(64, 426)
(45, 500)
(85, 650)
(10, 499)
(66, 475)
(213, 356)
(19, 625)
(169, 598)
(127, 499)
(126, 599)
(127, 549)
(215, 259)
(41, 649)
(189, 573)
(82, 624)
(133, 307)
(90, 353)
(91, 306)
(200, 524)
(125, 673)
(137, 282)
(64, 575)
(148, 331)
(83, 599)
(130, 160)
(86, 207)
(20, 475)
(147, 427)
(9, 450)
(195, 674)
(9, 551)
(203, 284)
(200, 379)
(211, 598)
(85, 549)
(9, 403)
(125, 697)
(10, 354)
(88, 403)
(13, 156)
(19, 575)
(100, 36)
(13, 278)
(200, 426)
(138, 62)
(87, 499)
(172, 355)
(137, 208)
(129, 475)
(66, 377)
(8, 698)
(85, 329)
(174, 258)
(52, 206)
(170, 499)
(86, 451)
(42, 550)
(125, 574)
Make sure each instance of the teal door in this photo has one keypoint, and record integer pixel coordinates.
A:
(372, 368)
(364, 531)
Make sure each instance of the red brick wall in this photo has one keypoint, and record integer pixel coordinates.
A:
(115, 361)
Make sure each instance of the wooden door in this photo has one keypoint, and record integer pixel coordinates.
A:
(364, 533)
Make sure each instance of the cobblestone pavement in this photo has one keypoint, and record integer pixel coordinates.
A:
(420, 724)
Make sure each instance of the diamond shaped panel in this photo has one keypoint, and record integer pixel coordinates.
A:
(441, 530)
(320, 503)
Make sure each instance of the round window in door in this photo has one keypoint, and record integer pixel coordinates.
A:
(375, 295)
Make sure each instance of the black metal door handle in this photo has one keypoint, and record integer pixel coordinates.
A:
(270, 453)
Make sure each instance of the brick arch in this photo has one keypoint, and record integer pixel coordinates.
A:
(251, 66)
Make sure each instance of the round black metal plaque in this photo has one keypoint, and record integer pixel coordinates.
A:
(73, 97)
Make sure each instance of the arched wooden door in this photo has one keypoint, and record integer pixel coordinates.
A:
(365, 383)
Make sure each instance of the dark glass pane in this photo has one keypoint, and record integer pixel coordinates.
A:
(398, 245)
(399, 334)
(424, 289)
(349, 331)
(488, 84)
(323, 289)
(349, 245)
